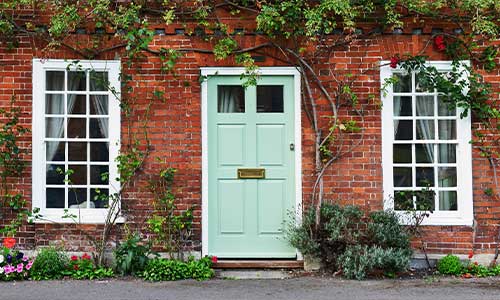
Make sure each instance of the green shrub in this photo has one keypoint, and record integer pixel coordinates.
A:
(161, 269)
(50, 263)
(131, 256)
(450, 265)
(346, 240)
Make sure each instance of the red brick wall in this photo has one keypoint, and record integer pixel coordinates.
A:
(175, 132)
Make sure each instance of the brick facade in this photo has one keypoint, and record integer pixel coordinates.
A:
(175, 132)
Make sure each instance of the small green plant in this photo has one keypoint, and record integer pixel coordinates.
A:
(450, 265)
(83, 268)
(132, 256)
(49, 264)
(161, 269)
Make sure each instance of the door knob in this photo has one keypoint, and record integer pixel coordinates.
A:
(292, 146)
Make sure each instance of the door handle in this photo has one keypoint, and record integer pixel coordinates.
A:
(292, 146)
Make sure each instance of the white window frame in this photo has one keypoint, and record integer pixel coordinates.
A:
(84, 215)
(464, 214)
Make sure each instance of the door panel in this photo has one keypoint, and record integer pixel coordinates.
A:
(250, 128)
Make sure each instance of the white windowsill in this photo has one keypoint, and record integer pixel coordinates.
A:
(86, 216)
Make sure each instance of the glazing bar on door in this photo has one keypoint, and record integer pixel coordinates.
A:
(252, 173)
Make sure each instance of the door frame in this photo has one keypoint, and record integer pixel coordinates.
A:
(264, 71)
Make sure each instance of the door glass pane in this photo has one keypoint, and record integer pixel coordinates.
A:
(425, 129)
(230, 99)
(78, 174)
(270, 98)
(55, 198)
(425, 105)
(54, 81)
(402, 176)
(77, 81)
(447, 177)
(424, 153)
(54, 127)
(403, 84)
(425, 176)
(98, 128)
(448, 200)
(401, 153)
(447, 153)
(444, 109)
(55, 151)
(99, 198)
(403, 200)
(403, 130)
(77, 128)
(77, 198)
(402, 106)
(99, 174)
(99, 152)
(55, 174)
(54, 104)
(76, 104)
(98, 104)
(447, 129)
(77, 151)
(99, 81)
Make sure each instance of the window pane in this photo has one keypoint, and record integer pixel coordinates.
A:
(55, 174)
(447, 153)
(403, 85)
(99, 198)
(77, 151)
(448, 200)
(424, 153)
(98, 105)
(54, 127)
(444, 109)
(99, 81)
(79, 174)
(98, 128)
(425, 105)
(425, 201)
(230, 99)
(54, 104)
(425, 176)
(447, 177)
(422, 86)
(77, 81)
(54, 81)
(55, 151)
(402, 176)
(55, 198)
(401, 153)
(403, 200)
(99, 174)
(403, 130)
(402, 106)
(270, 98)
(425, 129)
(99, 152)
(76, 104)
(77, 128)
(77, 198)
(447, 129)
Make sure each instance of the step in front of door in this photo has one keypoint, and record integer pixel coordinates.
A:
(259, 264)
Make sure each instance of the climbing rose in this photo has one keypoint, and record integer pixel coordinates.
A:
(439, 43)
(214, 259)
(9, 242)
(394, 62)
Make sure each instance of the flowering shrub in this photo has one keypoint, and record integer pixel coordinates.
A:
(13, 264)
(83, 268)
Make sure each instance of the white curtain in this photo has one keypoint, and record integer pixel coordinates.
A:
(101, 103)
(229, 100)
(426, 108)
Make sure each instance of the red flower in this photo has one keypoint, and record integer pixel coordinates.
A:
(76, 267)
(86, 256)
(471, 254)
(394, 62)
(9, 242)
(214, 259)
(74, 257)
(439, 43)
(476, 263)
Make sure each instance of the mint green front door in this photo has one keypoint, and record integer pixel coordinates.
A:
(250, 128)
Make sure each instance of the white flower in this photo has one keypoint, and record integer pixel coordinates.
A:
(1, 270)
(1, 259)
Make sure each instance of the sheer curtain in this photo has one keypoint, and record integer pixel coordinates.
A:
(229, 100)
(100, 103)
(426, 108)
